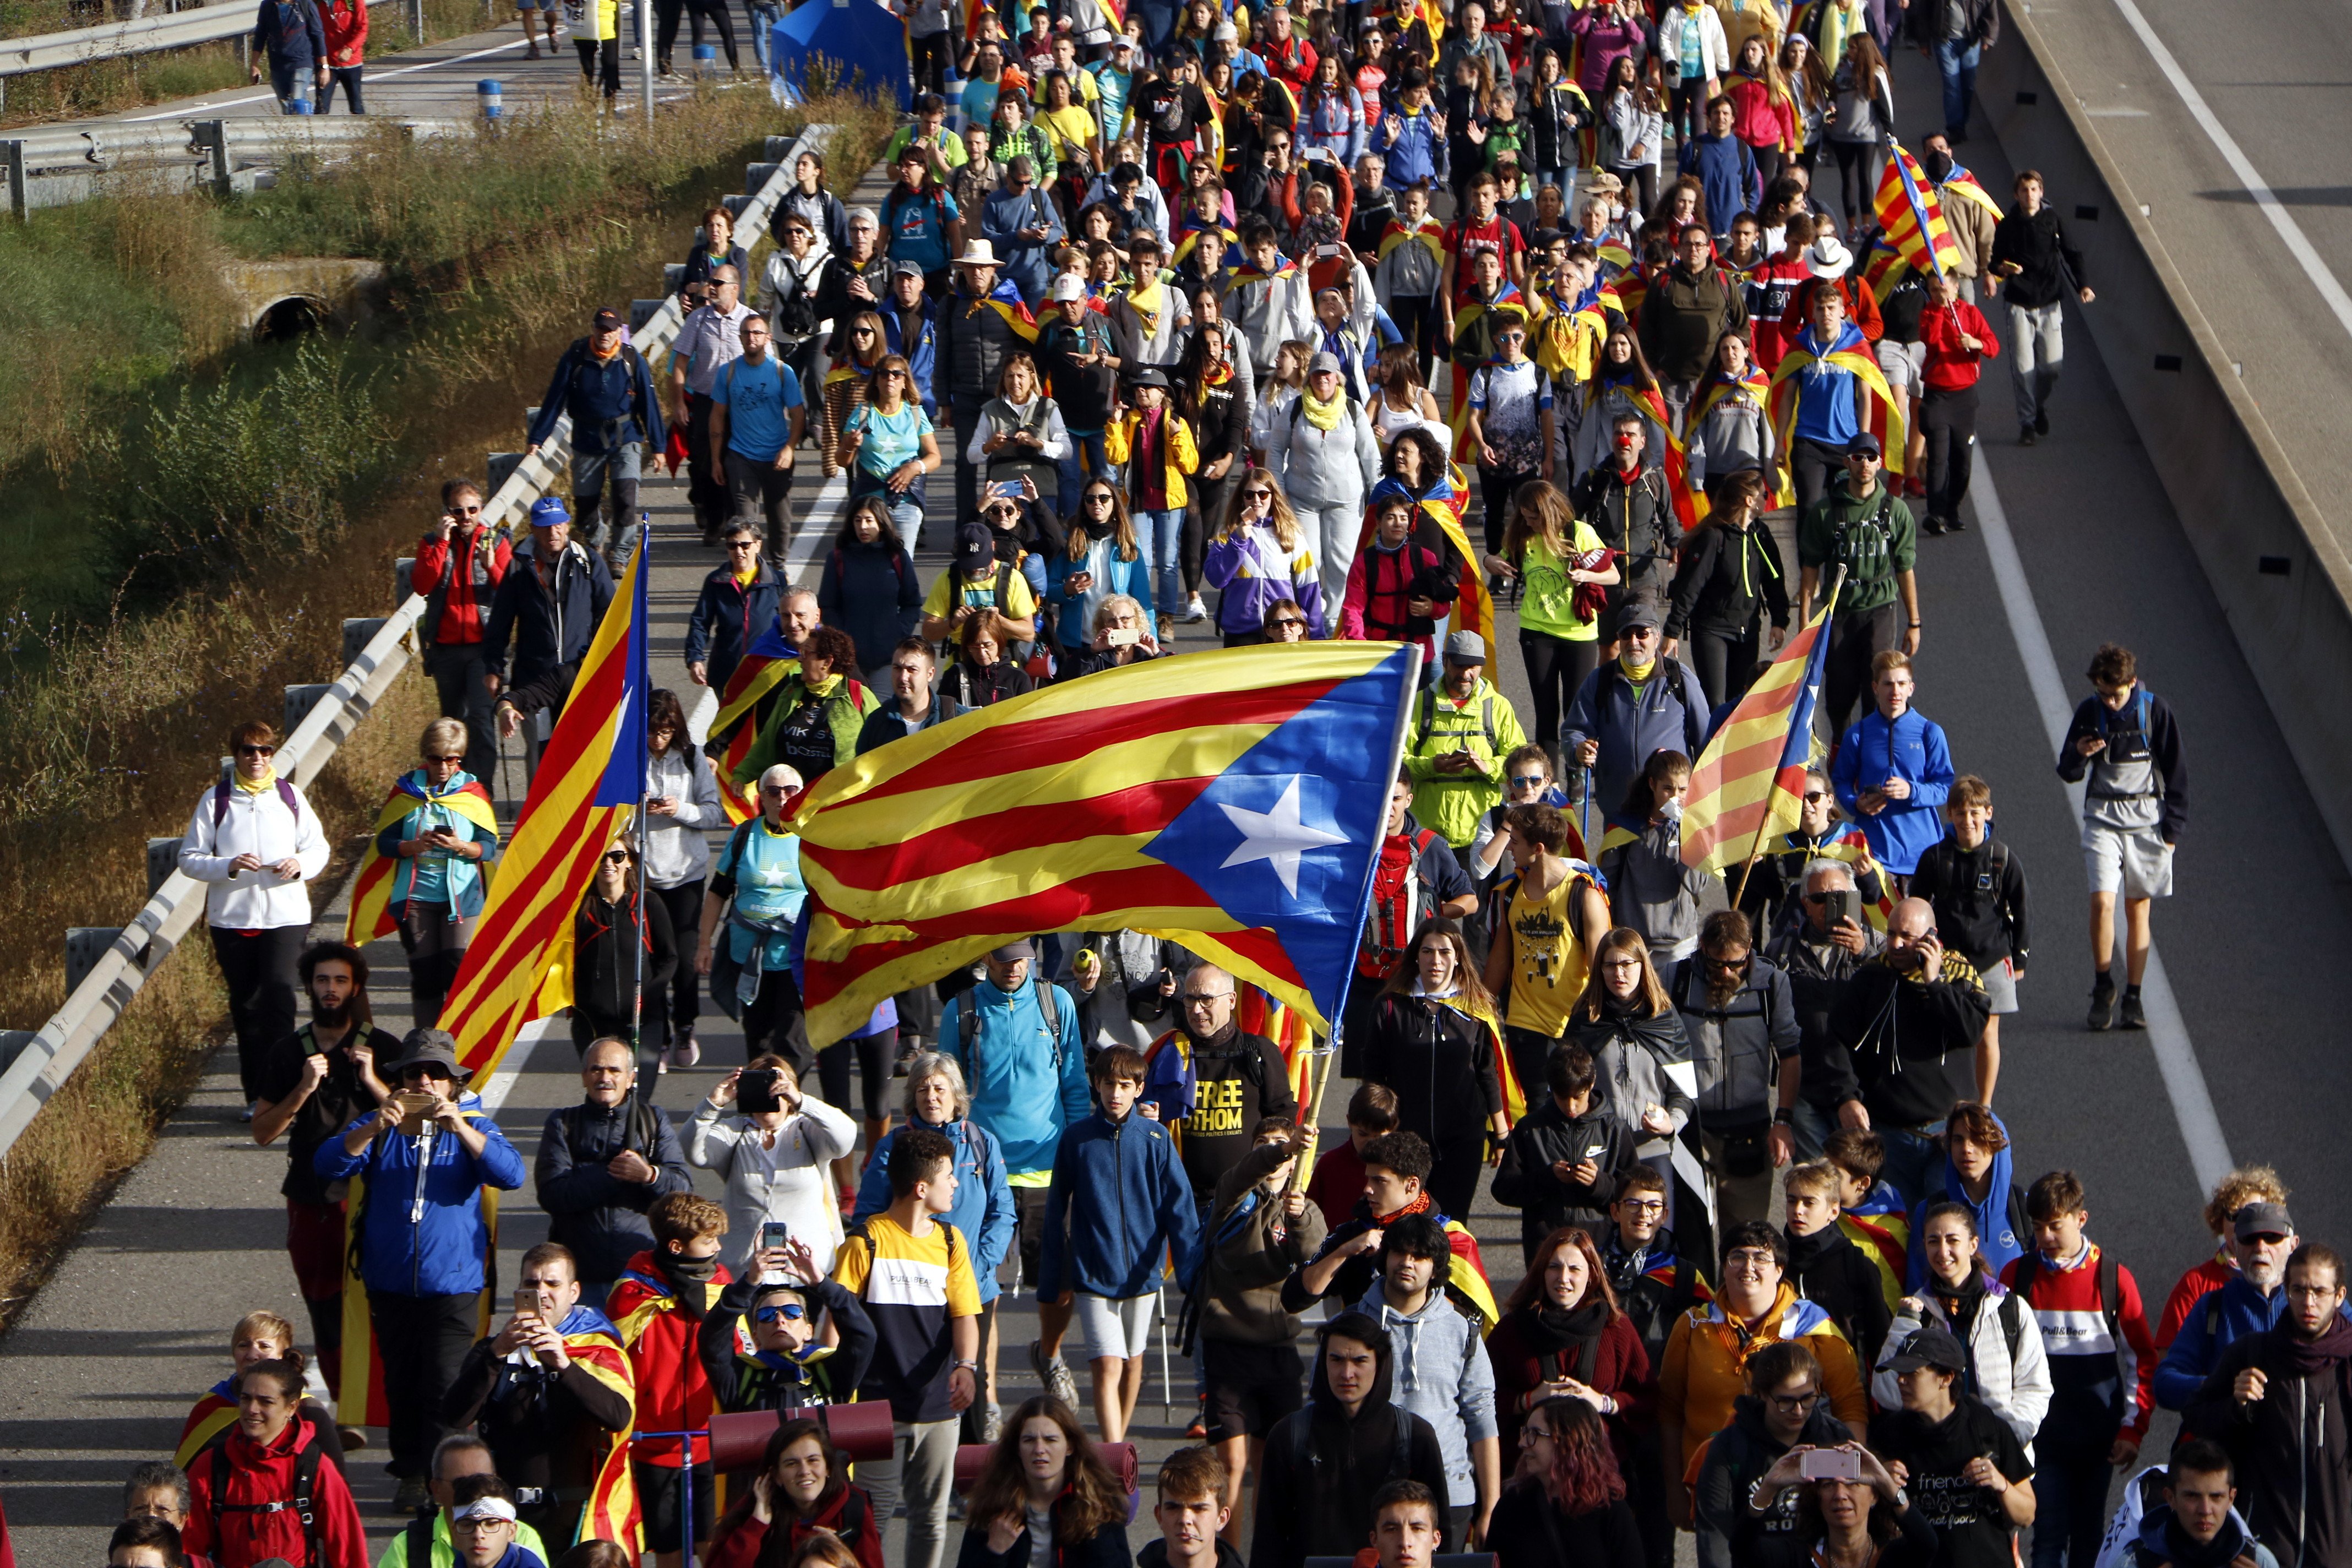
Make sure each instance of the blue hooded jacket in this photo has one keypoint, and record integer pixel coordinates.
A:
(2219, 1319)
(983, 1210)
(1120, 1200)
(1996, 1236)
(422, 1232)
(1826, 411)
(1027, 1084)
(1914, 750)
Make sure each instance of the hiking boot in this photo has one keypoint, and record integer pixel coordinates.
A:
(2133, 1016)
(2042, 422)
(2102, 1003)
(1054, 1373)
(413, 1496)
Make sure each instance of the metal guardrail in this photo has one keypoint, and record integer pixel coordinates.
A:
(54, 165)
(146, 35)
(33, 1068)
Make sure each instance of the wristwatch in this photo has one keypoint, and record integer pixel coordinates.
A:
(1783, 1116)
(971, 1367)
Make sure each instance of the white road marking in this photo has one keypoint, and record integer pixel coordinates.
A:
(2167, 1032)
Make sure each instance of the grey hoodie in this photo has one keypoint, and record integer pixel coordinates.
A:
(1441, 1373)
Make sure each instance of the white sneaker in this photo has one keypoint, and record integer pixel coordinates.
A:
(1195, 612)
(686, 1051)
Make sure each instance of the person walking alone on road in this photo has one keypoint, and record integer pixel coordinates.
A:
(1958, 340)
(2126, 742)
(254, 838)
(2038, 267)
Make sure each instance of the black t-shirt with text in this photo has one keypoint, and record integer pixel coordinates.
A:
(339, 1100)
(1971, 1529)
(1227, 1102)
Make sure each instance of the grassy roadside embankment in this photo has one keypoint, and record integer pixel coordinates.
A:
(235, 503)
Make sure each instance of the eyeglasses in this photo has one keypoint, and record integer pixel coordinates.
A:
(1644, 1206)
(422, 1070)
(861, 332)
(1749, 1260)
(1100, 498)
(1729, 966)
(468, 510)
(790, 1312)
(1793, 1403)
(888, 374)
(1284, 621)
(1815, 796)
(743, 546)
(1257, 495)
(1208, 1000)
(1817, 898)
(616, 856)
(257, 750)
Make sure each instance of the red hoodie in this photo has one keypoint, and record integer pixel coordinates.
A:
(1950, 365)
(672, 1391)
(740, 1547)
(258, 1477)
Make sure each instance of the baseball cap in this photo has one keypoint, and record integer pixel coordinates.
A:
(1324, 364)
(905, 269)
(2262, 1219)
(1013, 952)
(1639, 612)
(1864, 442)
(1068, 287)
(1930, 1345)
(1150, 375)
(975, 548)
(547, 511)
(1465, 647)
(606, 319)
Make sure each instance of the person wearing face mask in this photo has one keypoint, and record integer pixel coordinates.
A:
(1969, 211)
(784, 1338)
(1650, 888)
(2261, 1239)
(657, 1308)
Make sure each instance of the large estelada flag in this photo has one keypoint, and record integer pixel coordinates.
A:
(591, 778)
(371, 911)
(1913, 216)
(1749, 782)
(742, 707)
(1225, 800)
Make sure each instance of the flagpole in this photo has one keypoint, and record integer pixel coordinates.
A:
(1756, 850)
(644, 784)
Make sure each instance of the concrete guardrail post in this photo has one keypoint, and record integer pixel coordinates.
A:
(672, 275)
(85, 945)
(301, 699)
(357, 632)
(498, 466)
(757, 176)
(210, 137)
(12, 1045)
(735, 204)
(641, 311)
(163, 859)
(20, 196)
(401, 570)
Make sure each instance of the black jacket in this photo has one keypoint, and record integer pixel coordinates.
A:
(871, 592)
(1545, 1135)
(549, 627)
(545, 1428)
(594, 1213)
(1739, 1048)
(1155, 1554)
(1440, 1061)
(751, 1381)
(1684, 315)
(1726, 578)
(1635, 515)
(1728, 1533)
(1322, 1466)
(2160, 742)
(836, 304)
(975, 340)
(2050, 266)
(1902, 1030)
(1981, 26)
(1220, 420)
(2293, 1452)
(1979, 896)
(1106, 1548)
(1528, 1530)
(606, 978)
(1777, 883)
(884, 725)
(611, 402)
(1828, 1270)
(1817, 981)
(1655, 1286)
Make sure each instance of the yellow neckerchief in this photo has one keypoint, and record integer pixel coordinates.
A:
(262, 786)
(1146, 299)
(1636, 673)
(1324, 416)
(1781, 403)
(826, 687)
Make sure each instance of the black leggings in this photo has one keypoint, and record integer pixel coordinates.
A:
(1857, 162)
(930, 63)
(1496, 488)
(696, 13)
(672, 1011)
(1726, 665)
(1557, 668)
(875, 1055)
(600, 62)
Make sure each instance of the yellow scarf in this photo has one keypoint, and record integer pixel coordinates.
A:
(1145, 299)
(262, 786)
(743, 578)
(1324, 416)
(1636, 673)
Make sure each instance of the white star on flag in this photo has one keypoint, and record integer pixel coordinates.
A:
(1277, 835)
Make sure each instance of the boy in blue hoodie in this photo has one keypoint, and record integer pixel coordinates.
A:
(1893, 773)
(1119, 1204)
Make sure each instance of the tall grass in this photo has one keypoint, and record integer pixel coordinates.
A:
(111, 721)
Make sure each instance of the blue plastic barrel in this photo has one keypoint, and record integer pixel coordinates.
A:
(489, 94)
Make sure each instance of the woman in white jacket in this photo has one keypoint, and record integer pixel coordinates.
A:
(681, 804)
(777, 1163)
(2008, 1367)
(1694, 56)
(1330, 460)
(255, 840)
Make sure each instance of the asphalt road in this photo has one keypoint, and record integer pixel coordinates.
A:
(101, 1369)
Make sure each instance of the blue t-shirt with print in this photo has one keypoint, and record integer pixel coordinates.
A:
(759, 400)
(918, 226)
(890, 439)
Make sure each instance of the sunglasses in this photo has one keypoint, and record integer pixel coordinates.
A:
(616, 856)
(1257, 495)
(891, 374)
(743, 546)
(257, 750)
(424, 1070)
(453, 759)
(468, 510)
(1815, 796)
(1286, 621)
(790, 1312)
(863, 332)
(1100, 498)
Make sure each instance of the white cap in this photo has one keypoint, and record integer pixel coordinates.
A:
(1068, 286)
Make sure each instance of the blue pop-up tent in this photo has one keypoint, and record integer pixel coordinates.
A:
(863, 43)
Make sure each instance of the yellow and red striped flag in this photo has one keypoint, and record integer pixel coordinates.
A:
(590, 781)
(1749, 780)
(1215, 800)
(1913, 216)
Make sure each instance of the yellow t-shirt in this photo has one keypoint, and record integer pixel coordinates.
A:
(1548, 961)
(1072, 129)
(913, 1286)
(1019, 604)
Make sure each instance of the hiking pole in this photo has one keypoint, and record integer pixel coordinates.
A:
(1584, 810)
(1167, 1390)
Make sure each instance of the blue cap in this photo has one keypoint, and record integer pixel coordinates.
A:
(547, 511)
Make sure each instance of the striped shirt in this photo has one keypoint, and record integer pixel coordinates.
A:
(2098, 1387)
(913, 1286)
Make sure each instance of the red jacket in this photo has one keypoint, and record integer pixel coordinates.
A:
(259, 1476)
(1950, 365)
(849, 1516)
(1294, 64)
(1757, 117)
(1337, 1185)
(346, 24)
(1860, 308)
(2194, 1287)
(673, 1392)
(460, 609)
(1621, 1369)
(1379, 585)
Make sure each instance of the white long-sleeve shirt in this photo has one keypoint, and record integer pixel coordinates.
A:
(790, 1180)
(677, 849)
(262, 825)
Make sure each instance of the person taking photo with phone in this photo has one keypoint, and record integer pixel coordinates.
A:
(776, 1157)
(603, 1163)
